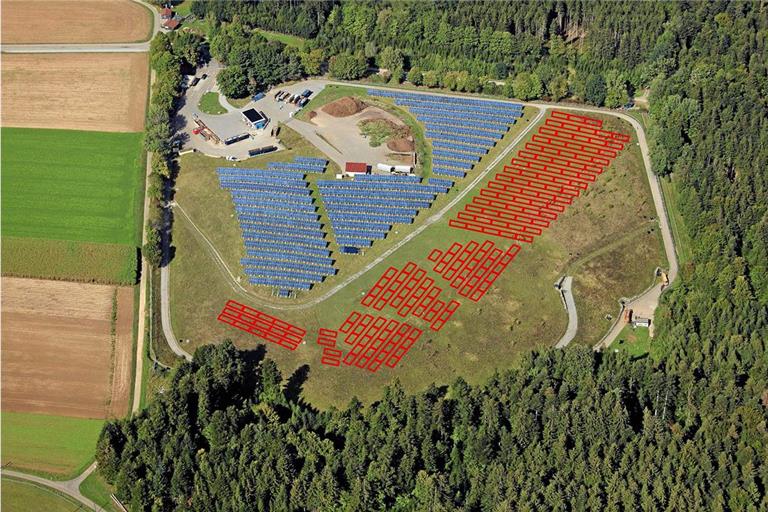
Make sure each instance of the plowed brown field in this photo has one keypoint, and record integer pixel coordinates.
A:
(57, 348)
(85, 91)
(74, 21)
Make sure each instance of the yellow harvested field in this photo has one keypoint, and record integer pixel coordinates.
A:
(74, 21)
(75, 91)
(59, 354)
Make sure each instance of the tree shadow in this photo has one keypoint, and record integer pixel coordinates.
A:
(295, 384)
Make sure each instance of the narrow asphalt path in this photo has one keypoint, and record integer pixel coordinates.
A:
(165, 314)
(69, 487)
(573, 317)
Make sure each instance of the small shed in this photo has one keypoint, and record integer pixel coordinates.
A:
(639, 321)
(356, 167)
(255, 119)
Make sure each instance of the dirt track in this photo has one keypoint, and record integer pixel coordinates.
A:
(97, 91)
(57, 348)
(74, 21)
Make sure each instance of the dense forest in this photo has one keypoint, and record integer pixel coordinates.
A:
(685, 429)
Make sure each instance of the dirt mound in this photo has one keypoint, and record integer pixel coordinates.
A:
(401, 145)
(344, 107)
(312, 114)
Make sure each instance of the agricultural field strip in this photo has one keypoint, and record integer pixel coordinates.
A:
(95, 195)
(238, 288)
(63, 25)
(69, 487)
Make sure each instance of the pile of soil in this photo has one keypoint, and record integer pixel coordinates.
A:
(344, 107)
(401, 145)
(312, 115)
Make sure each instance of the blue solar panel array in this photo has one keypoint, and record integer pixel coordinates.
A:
(284, 239)
(305, 164)
(462, 129)
(364, 210)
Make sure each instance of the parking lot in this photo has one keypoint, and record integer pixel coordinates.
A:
(231, 123)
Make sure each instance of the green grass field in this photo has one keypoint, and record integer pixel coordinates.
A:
(52, 446)
(210, 104)
(96, 489)
(239, 102)
(72, 261)
(286, 39)
(22, 496)
(71, 185)
(606, 240)
(635, 341)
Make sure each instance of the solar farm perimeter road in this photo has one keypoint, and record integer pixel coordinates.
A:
(650, 297)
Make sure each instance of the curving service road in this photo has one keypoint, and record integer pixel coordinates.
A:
(69, 487)
(570, 307)
(650, 298)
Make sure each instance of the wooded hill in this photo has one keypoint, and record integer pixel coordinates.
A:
(684, 429)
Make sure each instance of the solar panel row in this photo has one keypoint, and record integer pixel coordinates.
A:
(364, 210)
(281, 228)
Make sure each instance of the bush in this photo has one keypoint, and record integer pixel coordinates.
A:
(233, 82)
(346, 66)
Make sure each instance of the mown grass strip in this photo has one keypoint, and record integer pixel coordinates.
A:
(53, 446)
(71, 185)
(22, 496)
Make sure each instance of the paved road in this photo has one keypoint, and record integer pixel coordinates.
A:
(76, 48)
(69, 487)
(309, 132)
(90, 48)
(573, 317)
(165, 314)
(646, 303)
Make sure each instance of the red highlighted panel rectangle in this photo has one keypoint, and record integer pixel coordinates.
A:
(262, 325)
(374, 340)
(327, 337)
(445, 315)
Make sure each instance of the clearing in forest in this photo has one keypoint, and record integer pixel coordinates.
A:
(76, 91)
(519, 311)
(75, 21)
(66, 348)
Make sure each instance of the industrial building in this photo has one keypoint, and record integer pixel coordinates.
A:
(255, 119)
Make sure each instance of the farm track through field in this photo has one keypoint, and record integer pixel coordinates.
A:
(69, 487)
(127, 47)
